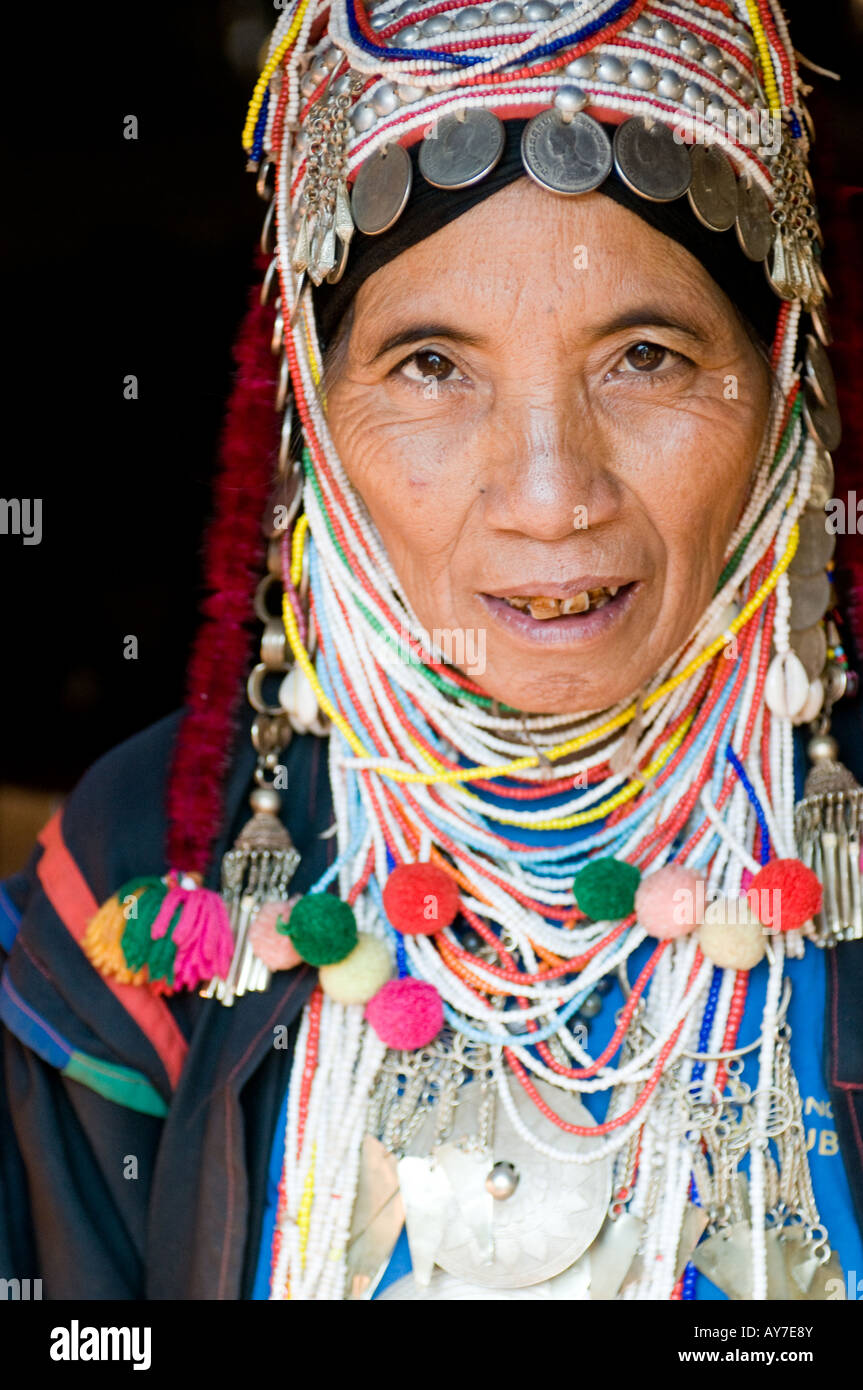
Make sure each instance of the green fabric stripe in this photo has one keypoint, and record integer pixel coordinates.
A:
(115, 1083)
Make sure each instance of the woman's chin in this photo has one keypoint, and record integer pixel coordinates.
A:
(534, 691)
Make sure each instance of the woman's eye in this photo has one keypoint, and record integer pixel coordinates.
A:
(648, 357)
(429, 364)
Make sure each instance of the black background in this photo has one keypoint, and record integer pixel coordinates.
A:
(134, 256)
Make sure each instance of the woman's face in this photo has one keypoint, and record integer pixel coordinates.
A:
(544, 398)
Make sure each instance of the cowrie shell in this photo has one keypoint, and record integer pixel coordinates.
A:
(298, 699)
(786, 688)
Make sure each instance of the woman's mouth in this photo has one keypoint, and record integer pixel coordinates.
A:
(558, 614)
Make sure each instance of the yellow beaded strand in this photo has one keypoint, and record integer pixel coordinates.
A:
(270, 66)
(304, 1215)
(764, 57)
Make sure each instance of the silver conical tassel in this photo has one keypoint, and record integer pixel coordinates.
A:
(828, 823)
(256, 871)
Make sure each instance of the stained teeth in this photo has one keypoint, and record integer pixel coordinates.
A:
(545, 608)
(579, 603)
(541, 607)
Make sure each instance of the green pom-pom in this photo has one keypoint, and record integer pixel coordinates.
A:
(323, 928)
(136, 942)
(162, 954)
(605, 889)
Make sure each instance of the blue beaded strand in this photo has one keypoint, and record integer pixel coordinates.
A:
(764, 850)
(467, 60)
(260, 127)
(690, 1273)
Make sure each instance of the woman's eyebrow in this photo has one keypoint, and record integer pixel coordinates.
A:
(649, 316)
(412, 332)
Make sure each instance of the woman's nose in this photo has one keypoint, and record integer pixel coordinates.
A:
(548, 470)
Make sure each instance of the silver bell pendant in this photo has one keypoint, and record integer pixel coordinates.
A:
(828, 824)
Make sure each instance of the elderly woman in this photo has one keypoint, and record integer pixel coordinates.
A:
(514, 985)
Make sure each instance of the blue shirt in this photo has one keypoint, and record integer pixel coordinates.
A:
(806, 1019)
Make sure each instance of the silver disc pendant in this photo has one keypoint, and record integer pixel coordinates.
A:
(823, 481)
(713, 190)
(822, 421)
(650, 162)
(810, 644)
(563, 156)
(815, 546)
(556, 1209)
(460, 152)
(810, 596)
(381, 189)
(821, 324)
(816, 365)
(753, 222)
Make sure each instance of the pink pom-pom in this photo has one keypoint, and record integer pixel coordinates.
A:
(406, 1014)
(420, 899)
(788, 894)
(670, 902)
(276, 950)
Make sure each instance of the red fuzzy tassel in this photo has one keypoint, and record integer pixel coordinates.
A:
(233, 564)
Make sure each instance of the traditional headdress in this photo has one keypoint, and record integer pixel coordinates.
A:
(368, 125)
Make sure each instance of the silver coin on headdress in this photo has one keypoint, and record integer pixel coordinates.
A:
(381, 189)
(566, 156)
(816, 366)
(461, 150)
(713, 190)
(753, 223)
(821, 324)
(650, 161)
(810, 595)
(810, 644)
(815, 545)
(822, 421)
(823, 479)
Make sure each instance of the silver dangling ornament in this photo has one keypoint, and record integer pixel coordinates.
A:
(326, 226)
(828, 823)
(256, 871)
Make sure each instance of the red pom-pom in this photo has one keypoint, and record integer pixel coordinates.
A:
(420, 899)
(406, 1014)
(788, 894)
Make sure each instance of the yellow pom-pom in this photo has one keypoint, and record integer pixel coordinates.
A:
(357, 978)
(731, 935)
(102, 941)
